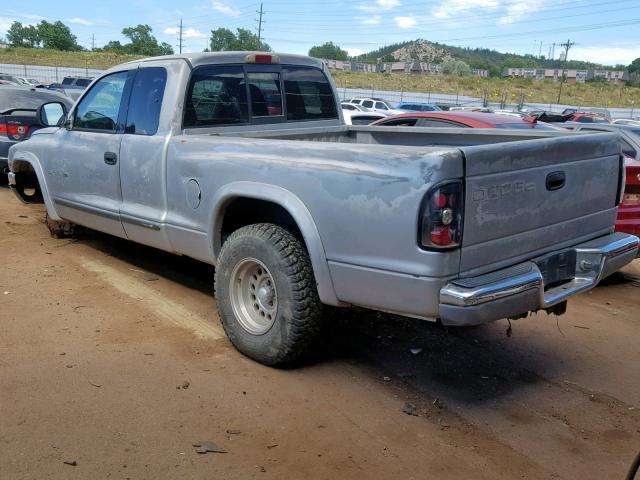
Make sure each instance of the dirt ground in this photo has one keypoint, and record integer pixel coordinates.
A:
(111, 356)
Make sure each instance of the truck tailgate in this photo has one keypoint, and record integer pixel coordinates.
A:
(525, 198)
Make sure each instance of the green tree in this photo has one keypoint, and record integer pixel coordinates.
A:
(224, 40)
(20, 35)
(57, 36)
(142, 42)
(328, 51)
(458, 68)
(634, 67)
(113, 46)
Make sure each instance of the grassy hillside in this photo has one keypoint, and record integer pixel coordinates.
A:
(42, 56)
(594, 94)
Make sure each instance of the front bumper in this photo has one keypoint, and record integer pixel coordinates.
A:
(517, 290)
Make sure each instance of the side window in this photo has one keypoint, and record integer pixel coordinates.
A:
(428, 122)
(381, 106)
(405, 122)
(146, 100)
(308, 94)
(367, 103)
(99, 109)
(264, 90)
(217, 95)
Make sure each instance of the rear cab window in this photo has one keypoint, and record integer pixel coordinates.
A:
(227, 95)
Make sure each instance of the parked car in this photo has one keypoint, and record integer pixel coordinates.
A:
(18, 120)
(418, 107)
(353, 106)
(298, 210)
(628, 219)
(588, 118)
(30, 82)
(356, 117)
(463, 119)
(627, 121)
(10, 78)
(74, 86)
(374, 104)
(599, 112)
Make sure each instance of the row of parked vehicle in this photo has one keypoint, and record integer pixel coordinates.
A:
(243, 160)
(371, 110)
(71, 86)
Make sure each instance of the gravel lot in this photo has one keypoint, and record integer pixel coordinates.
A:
(112, 360)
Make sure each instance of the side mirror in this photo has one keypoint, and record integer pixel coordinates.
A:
(51, 114)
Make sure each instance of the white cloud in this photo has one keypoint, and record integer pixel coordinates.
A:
(373, 20)
(5, 24)
(518, 9)
(405, 22)
(30, 16)
(379, 6)
(80, 21)
(610, 55)
(225, 9)
(354, 52)
(451, 8)
(186, 32)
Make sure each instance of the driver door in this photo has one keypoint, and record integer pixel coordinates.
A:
(86, 161)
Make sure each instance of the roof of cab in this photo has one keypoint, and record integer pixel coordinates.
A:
(209, 58)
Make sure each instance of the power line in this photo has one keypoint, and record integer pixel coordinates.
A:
(260, 12)
(567, 45)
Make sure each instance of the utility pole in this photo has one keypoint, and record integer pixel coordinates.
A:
(566, 46)
(260, 21)
(180, 37)
(540, 50)
(93, 41)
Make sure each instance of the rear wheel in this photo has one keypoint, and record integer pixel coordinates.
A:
(266, 294)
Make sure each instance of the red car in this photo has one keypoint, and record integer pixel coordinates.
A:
(462, 120)
(628, 220)
(588, 118)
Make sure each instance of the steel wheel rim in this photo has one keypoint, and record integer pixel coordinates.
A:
(254, 298)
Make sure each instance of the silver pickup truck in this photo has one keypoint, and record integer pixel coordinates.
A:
(242, 160)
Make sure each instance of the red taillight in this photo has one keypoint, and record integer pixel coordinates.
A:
(441, 223)
(14, 131)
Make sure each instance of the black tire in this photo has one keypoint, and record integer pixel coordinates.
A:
(297, 318)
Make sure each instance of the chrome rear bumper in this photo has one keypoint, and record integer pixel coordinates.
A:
(519, 289)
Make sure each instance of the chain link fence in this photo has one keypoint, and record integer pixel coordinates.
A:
(47, 74)
(467, 101)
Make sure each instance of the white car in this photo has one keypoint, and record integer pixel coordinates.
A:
(32, 82)
(376, 105)
(355, 117)
(353, 106)
(627, 121)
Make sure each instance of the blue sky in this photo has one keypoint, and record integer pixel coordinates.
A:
(605, 31)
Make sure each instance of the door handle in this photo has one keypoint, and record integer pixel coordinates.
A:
(555, 181)
(110, 158)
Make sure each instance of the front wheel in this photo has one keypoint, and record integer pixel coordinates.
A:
(266, 294)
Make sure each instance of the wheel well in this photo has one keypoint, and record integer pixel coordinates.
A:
(243, 211)
(27, 185)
